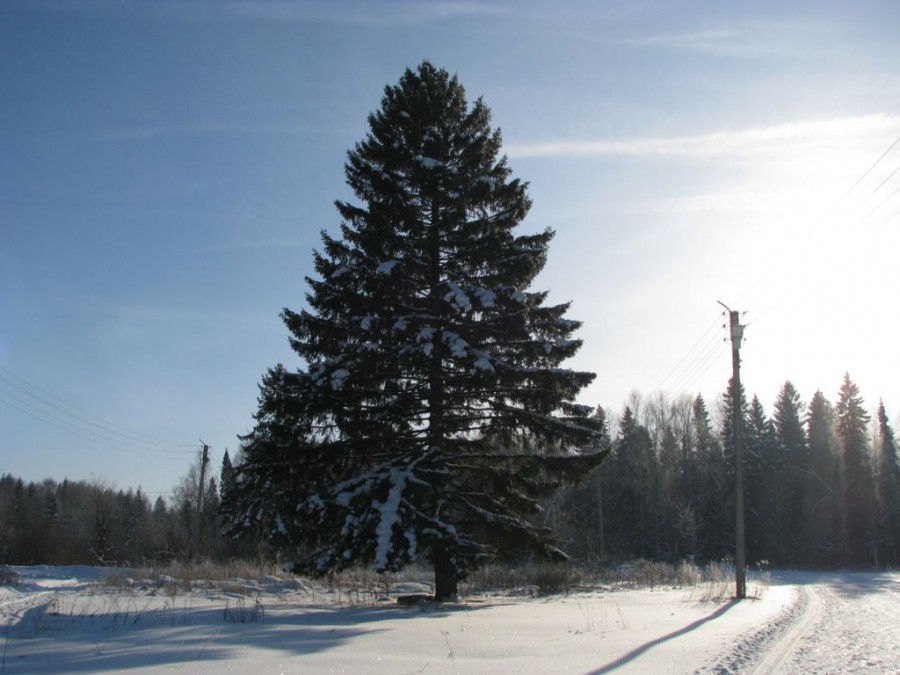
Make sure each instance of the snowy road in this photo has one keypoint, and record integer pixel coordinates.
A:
(843, 622)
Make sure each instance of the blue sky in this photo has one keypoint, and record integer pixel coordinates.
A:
(166, 168)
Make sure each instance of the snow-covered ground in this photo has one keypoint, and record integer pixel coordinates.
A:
(80, 620)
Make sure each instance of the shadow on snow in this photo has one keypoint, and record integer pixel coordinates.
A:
(638, 651)
(42, 642)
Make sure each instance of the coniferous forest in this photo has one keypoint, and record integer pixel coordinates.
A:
(821, 484)
(433, 420)
(95, 523)
(822, 488)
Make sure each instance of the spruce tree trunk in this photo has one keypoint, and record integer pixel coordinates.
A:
(445, 578)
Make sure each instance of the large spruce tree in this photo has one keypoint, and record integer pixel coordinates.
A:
(431, 412)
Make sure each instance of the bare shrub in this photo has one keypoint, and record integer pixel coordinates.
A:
(534, 578)
(237, 611)
(550, 578)
(653, 574)
(494, 577)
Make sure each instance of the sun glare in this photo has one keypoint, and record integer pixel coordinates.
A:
(822, 305)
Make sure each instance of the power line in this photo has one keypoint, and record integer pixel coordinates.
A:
(881, 184)
(869, 170)
(660, 386)
(87, 432)
(700, 366)
(35, 414)
(884, 201)
(46, 398)
(695, 363)
(41, 405)
(888, 218)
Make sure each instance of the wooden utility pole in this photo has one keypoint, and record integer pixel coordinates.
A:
(740, 554)
(203, 462)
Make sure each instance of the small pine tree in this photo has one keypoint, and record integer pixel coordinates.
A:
(226, 477)
(226, 490)
(433, 412)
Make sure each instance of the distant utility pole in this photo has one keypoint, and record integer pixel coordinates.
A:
(203, 462)
(740, 554)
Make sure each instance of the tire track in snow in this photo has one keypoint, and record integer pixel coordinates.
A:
(761, 651)
(856, 630)
(808, 611)
(840, 624)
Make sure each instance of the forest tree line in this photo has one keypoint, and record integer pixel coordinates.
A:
(821, 484)
(822, 488)
(94, 523)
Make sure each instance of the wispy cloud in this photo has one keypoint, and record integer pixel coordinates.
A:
(749, 39)
(699, 39)
(755, 141)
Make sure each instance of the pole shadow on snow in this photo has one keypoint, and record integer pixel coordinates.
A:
(644, 648)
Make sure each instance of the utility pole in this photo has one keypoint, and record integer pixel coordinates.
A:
(203, 462)
(740, 554)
